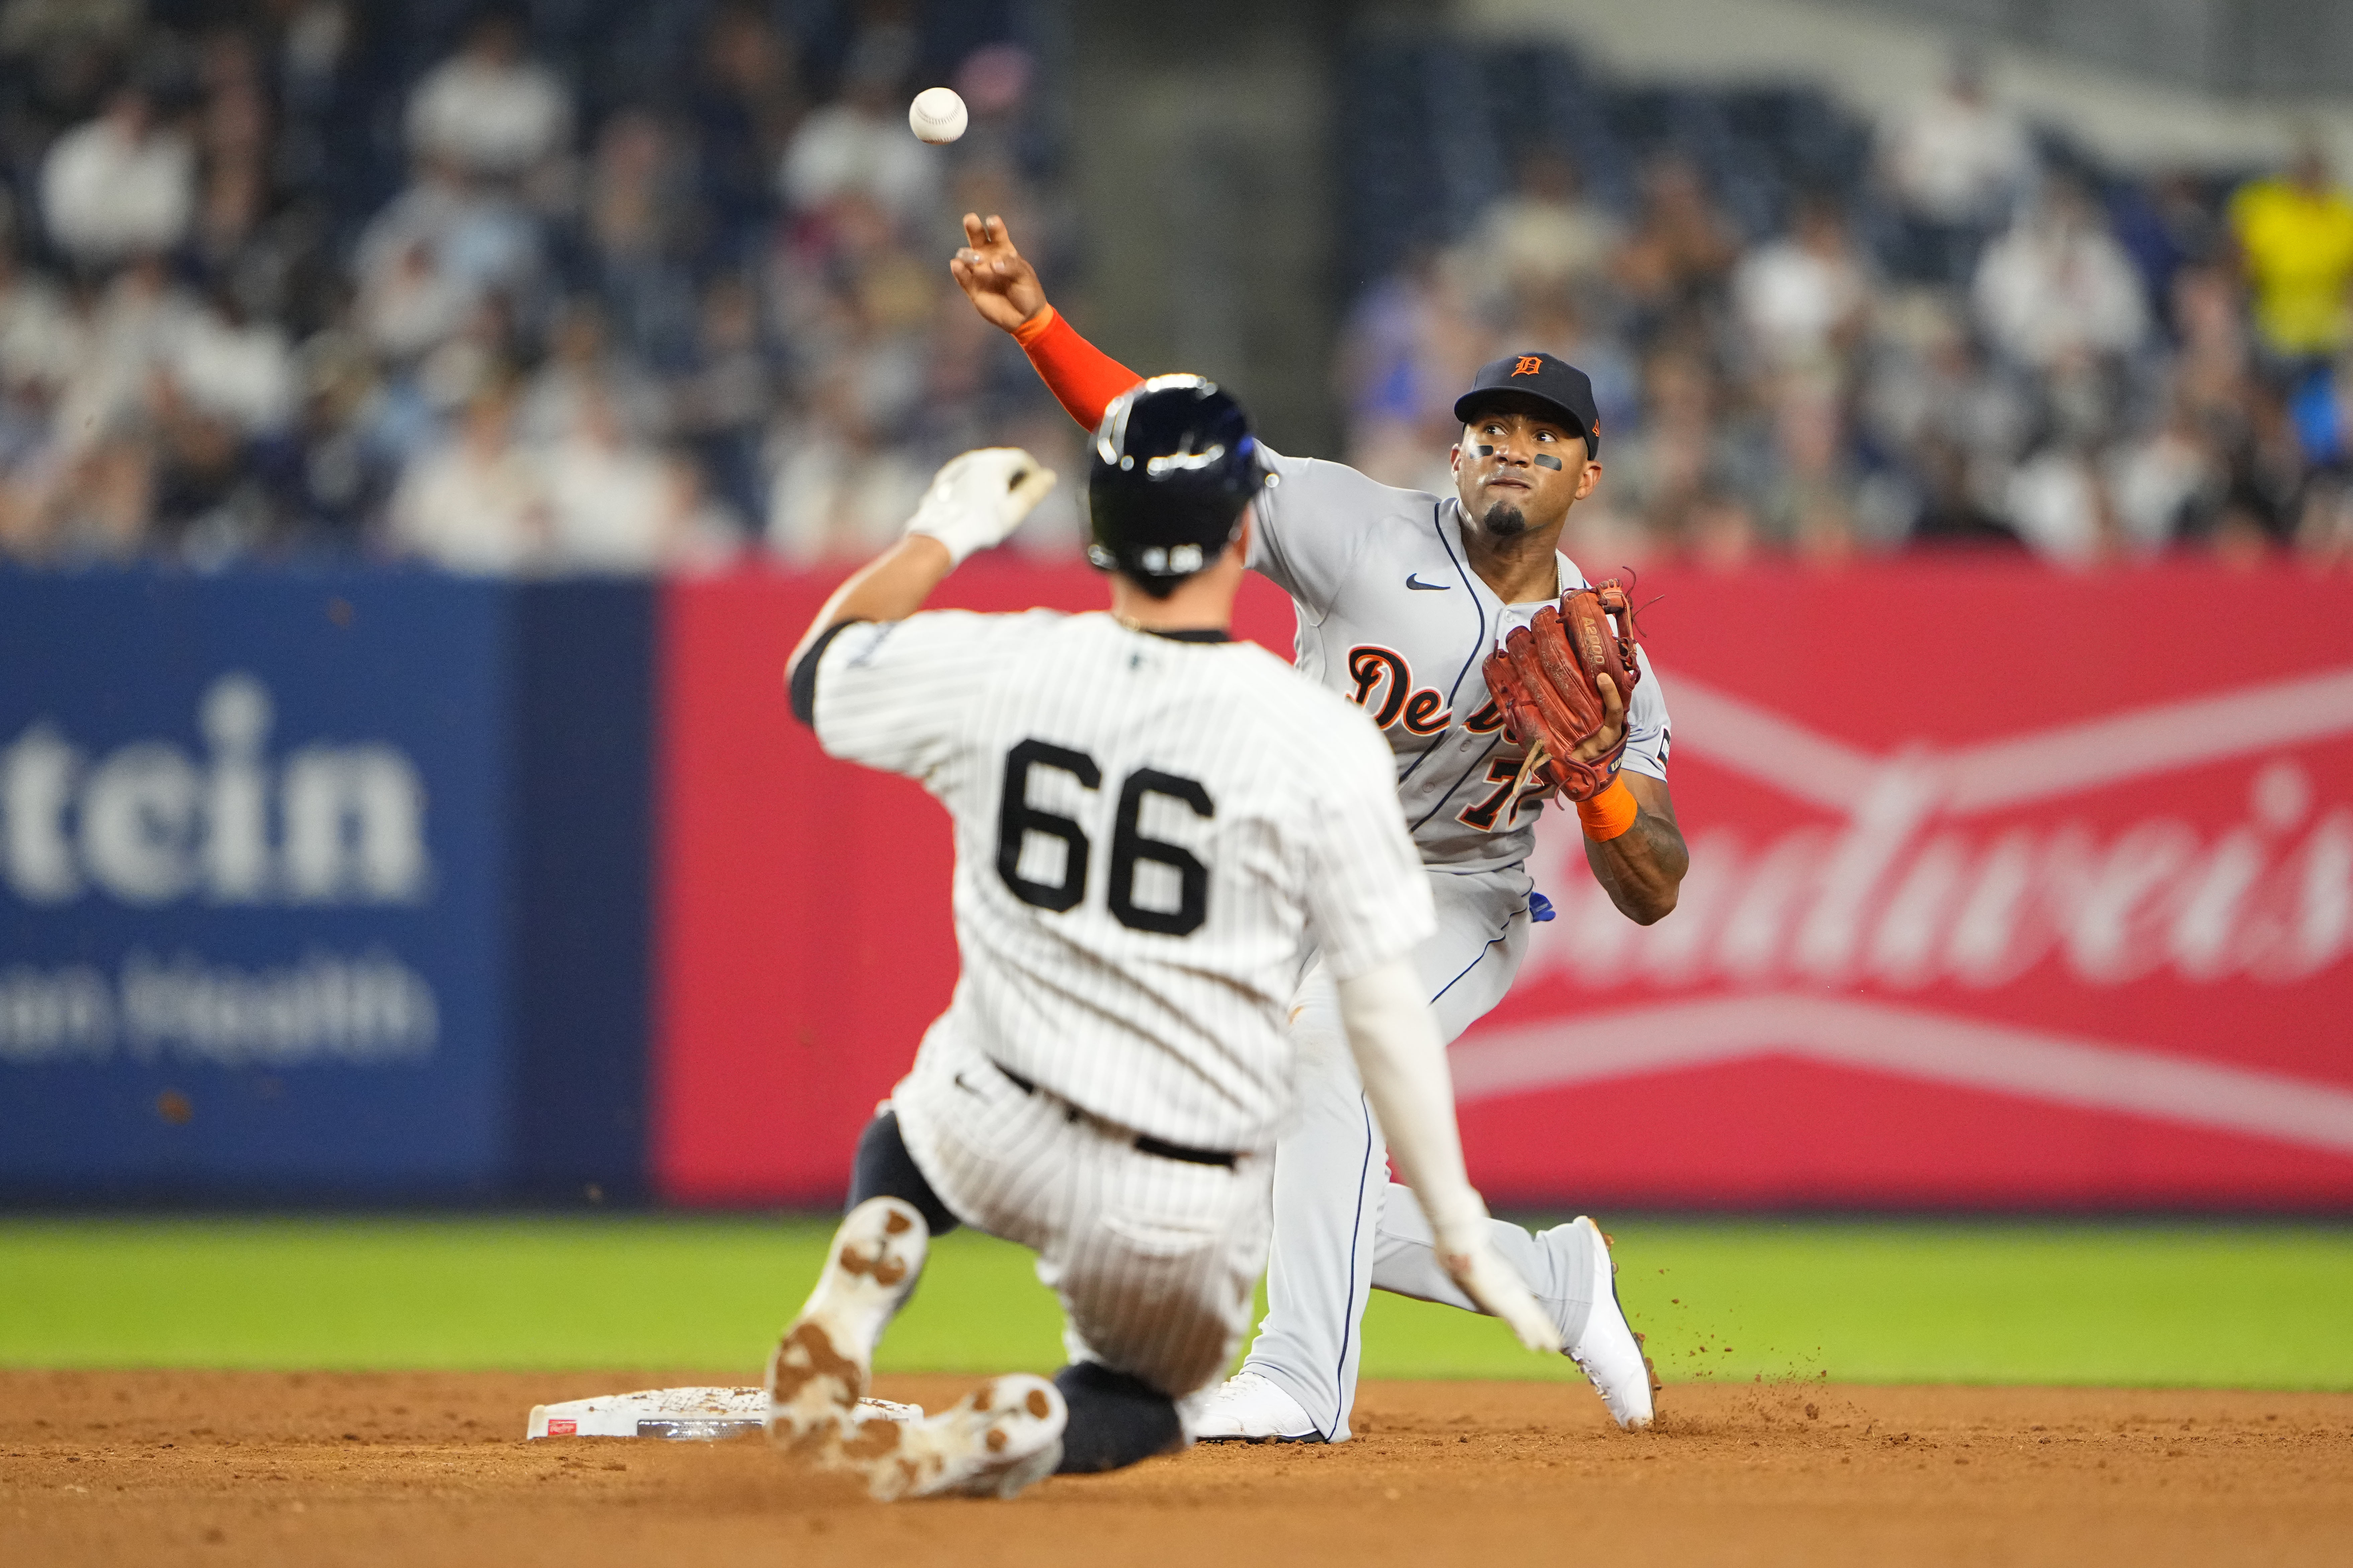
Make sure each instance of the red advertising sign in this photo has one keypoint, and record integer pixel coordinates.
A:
(2008, 887)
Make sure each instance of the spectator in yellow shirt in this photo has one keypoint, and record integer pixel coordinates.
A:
(2295, 241)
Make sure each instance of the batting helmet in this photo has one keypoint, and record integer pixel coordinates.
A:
(1173, 465)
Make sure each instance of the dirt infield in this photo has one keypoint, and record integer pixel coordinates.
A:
(122, 1468)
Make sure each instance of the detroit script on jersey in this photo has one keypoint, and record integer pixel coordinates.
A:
(1392, 617)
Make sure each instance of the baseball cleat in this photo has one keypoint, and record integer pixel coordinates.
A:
(1610, 1351)
(1245, 1408)
(997, 1441)
(819, 1372)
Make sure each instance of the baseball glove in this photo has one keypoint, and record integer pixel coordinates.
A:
(1542, 679)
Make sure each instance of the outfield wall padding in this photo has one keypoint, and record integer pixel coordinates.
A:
(323, 885)
(2011, 888)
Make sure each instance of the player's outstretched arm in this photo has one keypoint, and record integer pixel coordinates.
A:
(976, 500)
(1004, 287)
(1403, 1065)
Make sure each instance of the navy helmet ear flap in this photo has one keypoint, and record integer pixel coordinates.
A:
(1171, 467)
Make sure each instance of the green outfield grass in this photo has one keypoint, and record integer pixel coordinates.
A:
(2258, 1306)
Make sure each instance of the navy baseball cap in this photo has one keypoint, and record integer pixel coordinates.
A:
(1555, 383)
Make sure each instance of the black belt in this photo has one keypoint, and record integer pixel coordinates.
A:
(1145, 1143)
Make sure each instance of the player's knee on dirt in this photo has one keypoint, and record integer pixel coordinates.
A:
(1116, 1420)
(883, 1169)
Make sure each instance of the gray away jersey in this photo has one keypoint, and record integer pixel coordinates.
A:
(1392, 617)
(1147, 831)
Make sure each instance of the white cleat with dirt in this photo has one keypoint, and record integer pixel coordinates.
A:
(1610, 1351)
(1245, 1408)
(997, 1441)
(820, 1369)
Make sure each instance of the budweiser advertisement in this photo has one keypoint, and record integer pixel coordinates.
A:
(2008, 889)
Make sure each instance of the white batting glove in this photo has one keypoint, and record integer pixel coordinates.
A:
(1471, 1259)
(978, 498)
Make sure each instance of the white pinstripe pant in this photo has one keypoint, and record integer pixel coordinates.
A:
(1155, 1260)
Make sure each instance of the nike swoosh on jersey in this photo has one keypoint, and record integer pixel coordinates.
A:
(1416, 583)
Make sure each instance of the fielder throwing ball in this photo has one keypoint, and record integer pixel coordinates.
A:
(1151, 822)
(1402, 597)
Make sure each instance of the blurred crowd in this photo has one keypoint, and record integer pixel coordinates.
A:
(337, 279)
(1971, 342)
(647, 327)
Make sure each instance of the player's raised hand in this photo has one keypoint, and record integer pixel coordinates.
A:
(1472, 1260)
(1001, 286)
(978, 498)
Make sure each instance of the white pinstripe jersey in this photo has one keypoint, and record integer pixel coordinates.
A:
(1392, 617)
(1146, 832)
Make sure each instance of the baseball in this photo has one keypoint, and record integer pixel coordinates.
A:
(937, 115)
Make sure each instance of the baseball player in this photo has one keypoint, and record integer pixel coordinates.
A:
(1400, 596)
(1150, 819)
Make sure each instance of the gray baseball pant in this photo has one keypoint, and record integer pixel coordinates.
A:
(1341, 1228)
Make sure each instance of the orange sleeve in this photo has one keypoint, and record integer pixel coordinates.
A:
(1082, 378)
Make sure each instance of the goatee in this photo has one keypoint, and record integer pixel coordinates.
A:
(1505, 520)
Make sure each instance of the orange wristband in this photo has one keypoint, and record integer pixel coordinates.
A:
(1608, 813)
